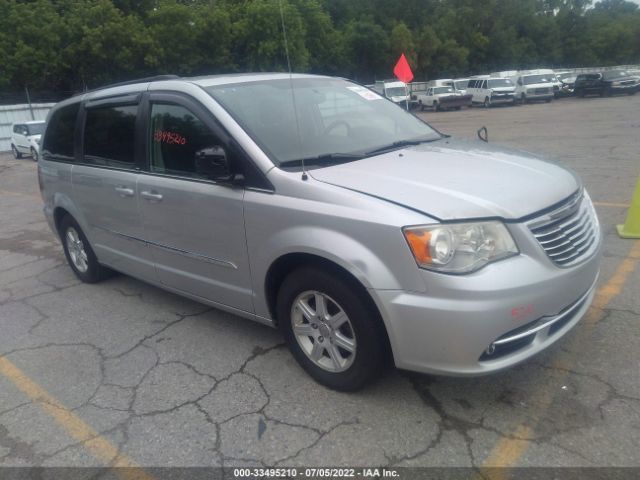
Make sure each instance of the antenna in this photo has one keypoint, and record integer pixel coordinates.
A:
(293, 93)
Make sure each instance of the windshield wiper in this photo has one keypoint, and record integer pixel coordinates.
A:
(399, 144)
(324, 159)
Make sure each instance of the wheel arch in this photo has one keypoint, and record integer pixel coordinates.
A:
(287, 263)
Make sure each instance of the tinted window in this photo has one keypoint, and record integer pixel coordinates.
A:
(58, 141)
(109, 136)
(177, 138)
(484, 84)
(17, 129)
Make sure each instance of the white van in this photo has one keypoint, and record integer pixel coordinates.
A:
(394, 90)
(489, 91)
(535, 86)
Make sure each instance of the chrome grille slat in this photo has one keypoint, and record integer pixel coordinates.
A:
(568, 234)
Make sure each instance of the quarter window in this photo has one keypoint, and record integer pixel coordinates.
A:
(58, 140)
(109, 136)
(177, 138)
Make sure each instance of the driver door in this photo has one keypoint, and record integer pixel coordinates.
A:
(193, 226)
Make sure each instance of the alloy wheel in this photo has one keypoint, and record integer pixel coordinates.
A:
(76, 250)
(323, 331)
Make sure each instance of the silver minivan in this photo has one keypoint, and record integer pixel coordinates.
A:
(313, 204)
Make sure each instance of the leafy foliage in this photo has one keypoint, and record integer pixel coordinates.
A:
(78, 44)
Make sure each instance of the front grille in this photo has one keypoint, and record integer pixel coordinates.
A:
(570, 233)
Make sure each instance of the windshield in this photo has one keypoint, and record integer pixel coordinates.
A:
(334, 116)
(35, 128)
(615, 74)
(532, 79)
(461, 84)
(395, 92)
(500, 82)
(443, 90)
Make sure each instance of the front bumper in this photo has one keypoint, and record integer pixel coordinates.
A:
(459, 326)
(504, 98)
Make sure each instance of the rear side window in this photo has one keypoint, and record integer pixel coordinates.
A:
(58, 141)
(109, 136)
(178, 137)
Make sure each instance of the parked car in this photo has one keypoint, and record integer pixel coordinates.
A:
(567, 81)
(25, 138)
(552, 75)
(443, 98)
(394, 90)
(538, 86)
(460, 84)
(490, 91)
(606, 83)
(340, 218)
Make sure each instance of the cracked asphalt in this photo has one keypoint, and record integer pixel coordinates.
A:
(170, 382)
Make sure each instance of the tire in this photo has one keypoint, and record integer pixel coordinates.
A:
(334, 367)
(523, 99)
(547, 100)
(81, 259)
(632, 92)
(421, 106)
(34, 154)
(605, 92)
(436, 106)
(458, 108)
(487, 102)
(16, 154)
(580, 93)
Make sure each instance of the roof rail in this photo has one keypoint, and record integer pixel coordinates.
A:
(156, 78)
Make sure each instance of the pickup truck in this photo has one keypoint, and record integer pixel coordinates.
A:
(443, 98)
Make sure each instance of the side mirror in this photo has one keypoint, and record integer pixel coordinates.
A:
(212, 163)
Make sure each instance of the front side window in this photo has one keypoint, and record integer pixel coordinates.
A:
(58, 140)
(109, 136)
(178, 138)
(17, 129)
(442, 90)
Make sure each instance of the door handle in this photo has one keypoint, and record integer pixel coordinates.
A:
(152, 196)
(124, 191)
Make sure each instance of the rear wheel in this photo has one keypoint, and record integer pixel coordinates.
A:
(330, 329)
(16, 153)
(79, 253)
(523, 99)
(436, 106)
(548, 100)
(580, 93)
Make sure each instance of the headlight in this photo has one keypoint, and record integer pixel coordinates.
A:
(459, 247)
(616, 83)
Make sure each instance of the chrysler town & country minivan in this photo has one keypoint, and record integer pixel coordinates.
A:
(314, 204)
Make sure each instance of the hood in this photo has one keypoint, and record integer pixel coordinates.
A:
(35, 138)
(539, 85)
(398, 99)
(451, 180)
(503, 89)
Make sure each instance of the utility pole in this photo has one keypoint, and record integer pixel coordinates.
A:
(26, 89)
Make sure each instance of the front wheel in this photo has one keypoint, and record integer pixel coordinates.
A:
(16, 154)
(80, 255)
(34, 154)
(331, 330)
(487, 102)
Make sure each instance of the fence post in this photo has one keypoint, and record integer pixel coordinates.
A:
(26, 89)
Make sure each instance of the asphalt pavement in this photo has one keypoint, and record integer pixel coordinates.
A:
(123, 373)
